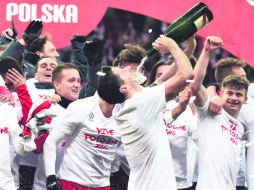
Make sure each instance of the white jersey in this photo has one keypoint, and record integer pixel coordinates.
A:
(219, 139)
(2, 83)
(246, 117)
(179, 132)
(192, 159)
(91, 146)
(38, 96)
(8, 123)
(40, 176)
(241, 177)
(145, 142)
(120, 161)
(250, 93)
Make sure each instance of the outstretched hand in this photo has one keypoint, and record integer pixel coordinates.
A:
(32, 31)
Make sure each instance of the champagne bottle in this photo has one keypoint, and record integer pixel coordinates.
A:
(185, 26)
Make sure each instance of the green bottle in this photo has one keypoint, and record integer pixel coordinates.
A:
(186, 25)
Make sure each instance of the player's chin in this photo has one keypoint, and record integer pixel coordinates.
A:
(73, 97)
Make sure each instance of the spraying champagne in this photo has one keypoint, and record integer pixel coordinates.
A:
(184, 27)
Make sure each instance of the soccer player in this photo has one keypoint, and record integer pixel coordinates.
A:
(219, 137)
(140, 121)
(92, 142)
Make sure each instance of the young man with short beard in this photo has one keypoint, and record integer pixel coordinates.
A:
(140, 123)
(219, 136)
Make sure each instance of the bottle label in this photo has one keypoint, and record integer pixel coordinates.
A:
(201, 22)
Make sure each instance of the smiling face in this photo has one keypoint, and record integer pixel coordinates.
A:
(68, 84)
(234, 93)
(45, 69)
(233, 99)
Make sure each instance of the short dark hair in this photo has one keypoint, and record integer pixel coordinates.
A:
(7, 63)
(132, 53)
(235, 82)
(226, 64)
(38, 44)
(152, 74)
(108, 86)
(59, 68)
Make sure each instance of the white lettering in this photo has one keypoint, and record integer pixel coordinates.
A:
(58, 13)
(71, 14)
(11, 10)
(34, 13)
(46, 10)
(24, 12)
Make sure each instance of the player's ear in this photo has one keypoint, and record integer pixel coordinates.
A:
(123, 89)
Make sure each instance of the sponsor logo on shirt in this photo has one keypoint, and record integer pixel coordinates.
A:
(44, 97)
(90, 116)
(234, 135)
(4, 130)
(103, 138)
(172, 129)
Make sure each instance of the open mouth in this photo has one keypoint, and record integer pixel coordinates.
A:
(233, 104)
(75, 90)
(48, 75)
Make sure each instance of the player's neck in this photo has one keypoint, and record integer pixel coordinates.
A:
(233, 113)
(106, 108)
(64, 102)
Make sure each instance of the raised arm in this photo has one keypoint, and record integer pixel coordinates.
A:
(211, 43)
(184, 69)
(190, 45)
(189, 49)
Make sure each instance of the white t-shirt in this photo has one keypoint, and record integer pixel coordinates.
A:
(38, 96)
(2, 83)
(219, 139)
(8, 123)
(120, 161)
(179, 131)
(251, 93)
(246, 117)
(145, 142)
(91, 146)
(40, 176)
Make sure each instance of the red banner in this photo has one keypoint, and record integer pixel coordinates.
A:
(233, 19)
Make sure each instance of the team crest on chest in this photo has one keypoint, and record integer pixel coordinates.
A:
(90, 116)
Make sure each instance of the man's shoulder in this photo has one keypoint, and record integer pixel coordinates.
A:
(89, 101)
